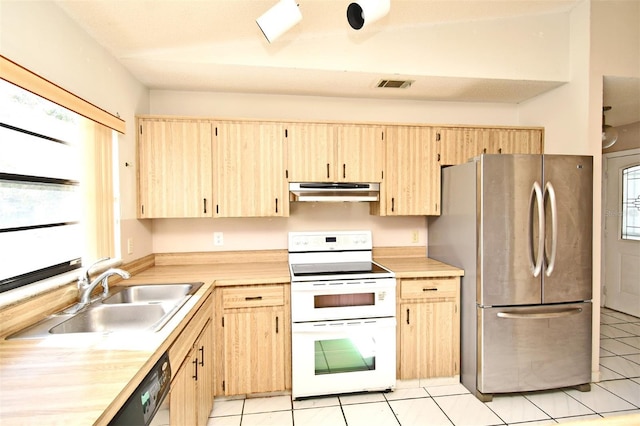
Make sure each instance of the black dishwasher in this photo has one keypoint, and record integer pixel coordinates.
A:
(145, 403)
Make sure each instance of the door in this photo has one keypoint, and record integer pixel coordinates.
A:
(507, 186)
(622, 232)
(249, 170)
(533, 348)
(254, 351)
(360, 152)
(568, 195)
(310, 152)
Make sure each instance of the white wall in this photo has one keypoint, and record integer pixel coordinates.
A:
(42, 38)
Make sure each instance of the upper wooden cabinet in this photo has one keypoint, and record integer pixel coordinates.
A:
(249, 170)
(174, 168)
(458, 145)
(412, 173)
(334, 153)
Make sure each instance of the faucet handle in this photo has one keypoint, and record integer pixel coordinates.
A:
(84, 279)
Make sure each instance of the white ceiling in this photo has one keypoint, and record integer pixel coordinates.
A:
(215, 45)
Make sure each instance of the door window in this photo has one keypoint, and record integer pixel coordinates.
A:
(631, 203)
(355, 353)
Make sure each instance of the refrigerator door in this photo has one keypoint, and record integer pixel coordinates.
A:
(568, 185)
(509, 206)
(533, 348)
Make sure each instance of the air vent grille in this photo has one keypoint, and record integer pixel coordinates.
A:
(395, 84)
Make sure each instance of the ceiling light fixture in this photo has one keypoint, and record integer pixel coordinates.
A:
(366, 12)
(609, 134)
(279, 19)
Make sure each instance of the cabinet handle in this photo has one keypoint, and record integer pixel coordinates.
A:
(276, 205)
(407, 316)
(499, 150)
(484, 150)
(204, 201)
(344, 171)
(195, 363)
(328, 175)
(430, 289)
(201, 355)
(253, 298)
(393, 202)
(276, 325)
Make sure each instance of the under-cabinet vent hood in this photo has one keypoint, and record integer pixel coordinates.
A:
(334, 192)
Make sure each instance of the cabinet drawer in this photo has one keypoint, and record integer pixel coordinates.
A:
(429, 288)
(249, 297)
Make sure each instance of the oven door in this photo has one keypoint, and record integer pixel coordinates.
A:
(340, 299)
(330, 357)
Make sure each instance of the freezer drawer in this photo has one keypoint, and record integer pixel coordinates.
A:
(533, 348)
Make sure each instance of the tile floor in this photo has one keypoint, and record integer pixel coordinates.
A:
(618, 393)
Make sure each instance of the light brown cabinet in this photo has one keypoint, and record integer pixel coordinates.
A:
(458, 145)
(254, 336)
(319, 152)
(249, 170)
(411, 184)
(192, 358)
(174, 168)
(428, 328)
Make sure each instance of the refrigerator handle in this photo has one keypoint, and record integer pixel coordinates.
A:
(535, 260)
(540, 315)
(551, 260)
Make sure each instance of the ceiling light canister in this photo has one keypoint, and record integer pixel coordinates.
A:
(279, 19)
(366, 12)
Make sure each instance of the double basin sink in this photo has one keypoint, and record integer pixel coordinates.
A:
(145, 307)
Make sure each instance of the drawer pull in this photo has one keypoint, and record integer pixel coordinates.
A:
(253, 298)
(430, 289)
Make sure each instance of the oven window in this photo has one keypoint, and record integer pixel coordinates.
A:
(343, 300)
(345, 355)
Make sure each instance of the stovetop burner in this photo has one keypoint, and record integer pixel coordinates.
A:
(337, 268)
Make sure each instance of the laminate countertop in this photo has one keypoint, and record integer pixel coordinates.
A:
(83, 379)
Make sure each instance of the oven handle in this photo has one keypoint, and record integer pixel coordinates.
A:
(342, 326)
(345, 287)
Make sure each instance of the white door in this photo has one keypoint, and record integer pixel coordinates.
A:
(622, 231)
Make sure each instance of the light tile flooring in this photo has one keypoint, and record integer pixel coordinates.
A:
(618, 393)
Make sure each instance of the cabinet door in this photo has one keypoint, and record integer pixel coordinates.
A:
(249, 170)
(360, 153)
(412, 181)
(204, 380)
(516, 141)
(458, 145)
(183, 394)
(174, 169)
(254, 351)
(310, 153)
(428, 340)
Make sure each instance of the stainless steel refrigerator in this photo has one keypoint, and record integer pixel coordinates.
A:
(520, 226)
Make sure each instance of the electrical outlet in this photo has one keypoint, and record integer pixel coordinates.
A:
(218, 239)
(129, 245)
(415, 236)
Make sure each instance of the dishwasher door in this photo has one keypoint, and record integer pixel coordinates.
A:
(149, 403)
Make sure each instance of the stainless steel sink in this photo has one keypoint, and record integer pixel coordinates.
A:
(111, 318)
(151, 293)
(134, 308)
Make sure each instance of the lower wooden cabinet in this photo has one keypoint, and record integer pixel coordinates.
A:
(253, 328)
(191, 396)
(428, 328)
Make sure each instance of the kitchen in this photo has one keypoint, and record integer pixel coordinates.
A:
(128, 97)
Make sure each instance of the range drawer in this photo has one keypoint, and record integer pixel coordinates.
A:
(429, 288)
(249, 297)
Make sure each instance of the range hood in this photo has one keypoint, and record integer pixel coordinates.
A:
(334, 192)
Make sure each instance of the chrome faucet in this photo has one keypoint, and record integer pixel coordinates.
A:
(86, 286)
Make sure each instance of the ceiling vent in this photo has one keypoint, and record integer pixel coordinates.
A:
(395, 84)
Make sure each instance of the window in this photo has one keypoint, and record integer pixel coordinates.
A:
(631, 203)
(56, 189)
